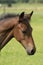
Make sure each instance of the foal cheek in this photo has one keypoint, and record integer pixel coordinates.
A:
(27, 43)
(18, 34)
(24, 42)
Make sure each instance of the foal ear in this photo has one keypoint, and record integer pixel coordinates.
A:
(21, 15)
(31, 13)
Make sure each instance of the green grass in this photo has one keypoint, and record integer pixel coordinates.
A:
(13, 53)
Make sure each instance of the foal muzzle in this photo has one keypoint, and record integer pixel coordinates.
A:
(30, 49)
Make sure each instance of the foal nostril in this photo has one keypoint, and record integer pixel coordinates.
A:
(32, 51)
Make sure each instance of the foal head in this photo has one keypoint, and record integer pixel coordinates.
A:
(23, 33)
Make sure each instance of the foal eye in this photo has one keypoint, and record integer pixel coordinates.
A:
(24, 32)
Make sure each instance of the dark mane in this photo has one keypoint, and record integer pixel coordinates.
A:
(8, 16)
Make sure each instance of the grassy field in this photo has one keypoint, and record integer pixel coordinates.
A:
(13, 53)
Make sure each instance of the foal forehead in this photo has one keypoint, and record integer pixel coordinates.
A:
(28, 26)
